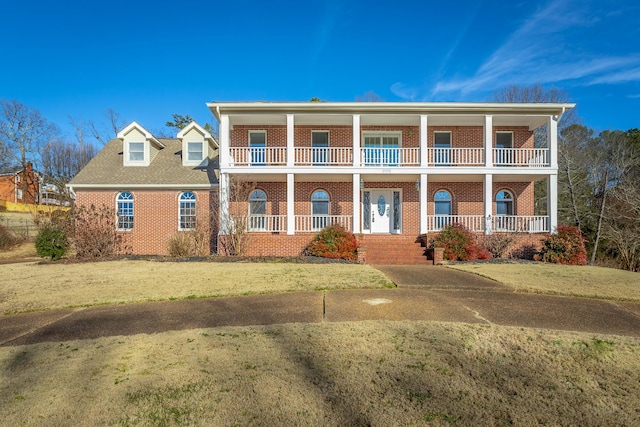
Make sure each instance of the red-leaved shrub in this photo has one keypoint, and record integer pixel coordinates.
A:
(334, 242)
(566, 247)
(458, 243)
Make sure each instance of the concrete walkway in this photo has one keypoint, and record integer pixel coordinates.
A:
(423, 293)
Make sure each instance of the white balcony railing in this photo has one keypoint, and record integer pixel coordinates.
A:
(318, 222)
(258, 156)
(388, 157)
(266, 223)
(323, 156)
(456, 156)
(531, 157)
(471, 222)
(374, 156)
(525, 224)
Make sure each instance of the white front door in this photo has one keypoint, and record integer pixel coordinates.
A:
(381, 212)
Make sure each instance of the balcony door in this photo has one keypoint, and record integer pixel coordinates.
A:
(381, 148)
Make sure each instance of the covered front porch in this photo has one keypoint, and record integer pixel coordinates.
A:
(417, 204)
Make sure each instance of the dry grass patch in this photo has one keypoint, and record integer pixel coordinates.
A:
(30, 286)
(556, 279)
(24, 251)
(366, 373)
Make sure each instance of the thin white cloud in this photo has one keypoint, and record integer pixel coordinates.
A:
(537, 52)
(634, 96)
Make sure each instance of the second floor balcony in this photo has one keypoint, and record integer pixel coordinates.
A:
(387, 157)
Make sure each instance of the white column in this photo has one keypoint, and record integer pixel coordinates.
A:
(488, 203)
(291, 218)
(290, 149)
(424, 154)
(552, 137)
(356, 203)
(424, 213)
(488, 141)
(356, 140)
(224, 141)
(552, 203)
(225, 219)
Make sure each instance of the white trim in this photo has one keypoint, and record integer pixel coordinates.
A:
(180, 194)
(290, 139)
(488, 202)
(356, 140)
(291, 204)
(356, 201)
(488, 141)
(495, 145)
(154, 186)
(424, 203)
(391, 216)
(424, 138)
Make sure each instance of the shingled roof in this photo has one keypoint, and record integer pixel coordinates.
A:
(166, 169)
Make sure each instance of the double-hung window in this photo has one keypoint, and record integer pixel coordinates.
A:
(187, 211)
(194, 151)
(258, 147)
(319, 210)
(320, 148)
(257, 210)
(442, 207)
(442, 150)
(124, 208)
(504, 149)
(136, 151)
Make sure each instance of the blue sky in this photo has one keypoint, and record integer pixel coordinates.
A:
(147, 60)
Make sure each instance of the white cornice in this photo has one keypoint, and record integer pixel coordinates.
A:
(142, 186)
(476, 108)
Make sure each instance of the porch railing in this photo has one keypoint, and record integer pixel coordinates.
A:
(265, 223)
(471, 222)
(455, 156)
(258, 156)
(391, 157)
(533, 157)
(525, 224)
(318, 222)
(323, 156)
(375, 156)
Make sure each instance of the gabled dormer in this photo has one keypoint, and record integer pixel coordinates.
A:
(197, 145)
(139, 147)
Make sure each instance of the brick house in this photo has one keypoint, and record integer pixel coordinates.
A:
(19, 185)
(158, 186)
(389, 172)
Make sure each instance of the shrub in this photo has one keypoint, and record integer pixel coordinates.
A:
(334, 242)
(52, 242)
(7, 240)
(458, 243)
(498, 243)
(189, 243)
(565, 247)
(95, 235)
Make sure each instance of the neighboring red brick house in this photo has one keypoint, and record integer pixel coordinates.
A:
(18, 185)
(389, 172)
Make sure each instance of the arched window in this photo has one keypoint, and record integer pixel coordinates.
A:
(187, 211)
(442, 208)
(257, 210)
(319, 209)
(504, 203)
(124, 208)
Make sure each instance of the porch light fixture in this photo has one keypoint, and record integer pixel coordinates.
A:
(418, 184)
(361, 184)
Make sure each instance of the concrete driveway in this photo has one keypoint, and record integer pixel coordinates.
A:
(424, 293)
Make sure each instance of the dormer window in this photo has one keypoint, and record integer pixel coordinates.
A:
(197, 144)
(139, 146)
(194, 151)
(136, 151)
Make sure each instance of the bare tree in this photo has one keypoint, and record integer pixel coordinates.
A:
(369, 96)
(574, 187)
(234, 223)
(61, 161)
(104, 133)
(23, 133)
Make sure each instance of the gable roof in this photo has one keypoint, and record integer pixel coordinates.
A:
(148, 136)
(106, 170)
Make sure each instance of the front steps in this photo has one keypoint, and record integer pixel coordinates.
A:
(392, 249)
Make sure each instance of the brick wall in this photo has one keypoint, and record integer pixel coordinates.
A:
(155, 215)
